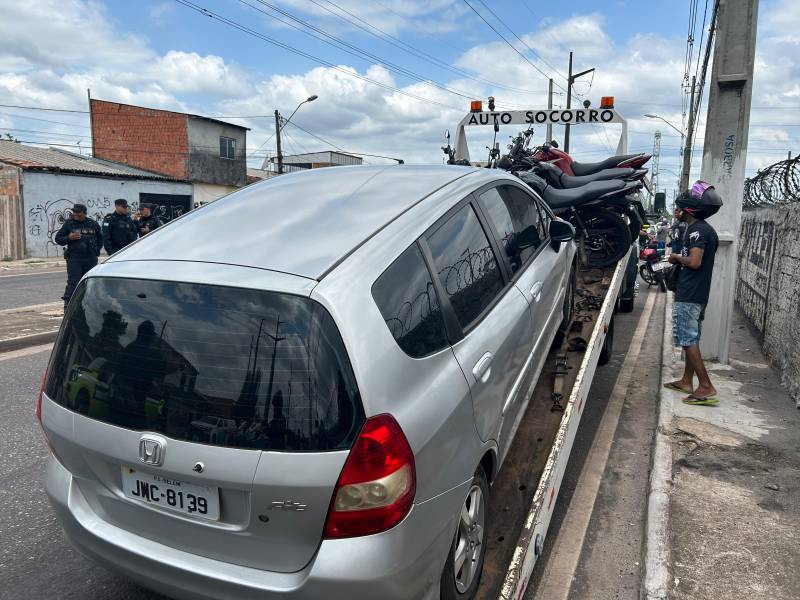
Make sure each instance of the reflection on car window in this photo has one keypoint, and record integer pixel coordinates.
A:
(515, 216)
(224, 366)
(408, 303)
(466, 265)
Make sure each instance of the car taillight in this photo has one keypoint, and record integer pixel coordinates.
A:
(39, 400)
(376, 488)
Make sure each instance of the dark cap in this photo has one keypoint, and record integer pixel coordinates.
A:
(145, 205)
(79, 208)
(121, 202)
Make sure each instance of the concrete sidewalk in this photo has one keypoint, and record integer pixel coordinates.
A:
(29, 325)
(730, 524)
(30, 265)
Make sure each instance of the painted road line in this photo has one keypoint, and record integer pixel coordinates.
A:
(26, 352)
(34, 273)
(563, 560)
(33, 308)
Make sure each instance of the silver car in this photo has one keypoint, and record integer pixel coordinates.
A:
(363, 340)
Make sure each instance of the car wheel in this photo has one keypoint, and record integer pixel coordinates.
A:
(608, 345)
(568, 310)
(462, 571)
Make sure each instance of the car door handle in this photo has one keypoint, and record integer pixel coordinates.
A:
(536, 291)
(483, 368)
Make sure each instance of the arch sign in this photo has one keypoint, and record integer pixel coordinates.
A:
(545, 116)
(572, 116)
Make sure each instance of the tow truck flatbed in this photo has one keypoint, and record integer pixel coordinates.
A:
(525, 492)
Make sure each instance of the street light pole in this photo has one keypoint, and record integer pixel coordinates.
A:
(280, 125)
(683, 146)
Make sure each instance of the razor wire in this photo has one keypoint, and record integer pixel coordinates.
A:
(778, 183)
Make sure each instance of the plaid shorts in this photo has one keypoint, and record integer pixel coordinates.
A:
(687, 322)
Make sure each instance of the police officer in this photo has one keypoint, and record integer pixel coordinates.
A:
(119, 229)
(146, 221)
(83, 240)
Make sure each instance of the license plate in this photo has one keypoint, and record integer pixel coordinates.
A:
(171, 494)
(659, 266)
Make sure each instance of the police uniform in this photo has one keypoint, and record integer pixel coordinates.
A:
(118, 232)
(152, 222)
(81, 254)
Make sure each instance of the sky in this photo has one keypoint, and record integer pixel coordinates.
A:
(390, 75)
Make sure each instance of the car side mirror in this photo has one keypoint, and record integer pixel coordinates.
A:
(560, 232)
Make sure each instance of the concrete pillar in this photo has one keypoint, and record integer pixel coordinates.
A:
(724, 158)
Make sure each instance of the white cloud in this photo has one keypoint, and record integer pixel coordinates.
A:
(44, 62)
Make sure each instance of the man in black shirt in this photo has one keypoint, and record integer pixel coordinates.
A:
(83, 240)
(696, 261)
(118, 228)
(146, 221)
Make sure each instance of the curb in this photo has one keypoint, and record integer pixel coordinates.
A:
(25, 341)
(656, 561)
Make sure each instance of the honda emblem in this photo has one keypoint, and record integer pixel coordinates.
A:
(151, 450)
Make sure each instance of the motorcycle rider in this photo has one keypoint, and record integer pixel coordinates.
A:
(145, 220)
(119, 229)
(83, 240)
(696, 261)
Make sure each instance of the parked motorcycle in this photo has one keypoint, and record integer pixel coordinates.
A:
(603, 234)
(550, 152)
(651, 268)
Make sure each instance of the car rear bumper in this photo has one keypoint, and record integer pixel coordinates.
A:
(404, 562)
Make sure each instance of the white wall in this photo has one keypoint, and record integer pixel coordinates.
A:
(203, 193)
(48, 200)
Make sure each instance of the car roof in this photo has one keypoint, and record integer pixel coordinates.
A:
(302, 223)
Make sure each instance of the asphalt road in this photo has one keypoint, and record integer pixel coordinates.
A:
(36, 561)
(25, 289)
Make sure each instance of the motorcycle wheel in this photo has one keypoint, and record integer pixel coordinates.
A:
(648, 275)
(606, 238)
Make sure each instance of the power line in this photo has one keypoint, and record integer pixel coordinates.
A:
(293, 50)
(395, 41)
(514, 48)
(343, 45)
(536, 54)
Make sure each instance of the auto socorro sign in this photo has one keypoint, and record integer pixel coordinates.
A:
(571, 116)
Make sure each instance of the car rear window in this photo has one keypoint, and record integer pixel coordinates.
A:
(216, 365)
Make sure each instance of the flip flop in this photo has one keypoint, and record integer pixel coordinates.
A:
(693, 400)
(676, 388)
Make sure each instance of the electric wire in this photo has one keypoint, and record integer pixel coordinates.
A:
(514, 48)
(272, 41)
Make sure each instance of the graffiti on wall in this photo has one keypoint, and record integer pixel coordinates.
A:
(45, 219)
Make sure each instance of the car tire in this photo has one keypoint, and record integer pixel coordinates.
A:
(568, 309)
(608, 345)
(469, 544)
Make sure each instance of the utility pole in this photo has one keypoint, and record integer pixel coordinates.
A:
(687, 147)
(570, 80)
(655, 162)
(278, 140)
(724, 158)
(549, 135)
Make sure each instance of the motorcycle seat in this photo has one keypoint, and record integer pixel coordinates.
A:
(609, 163)
(573, 181)
(558, 199)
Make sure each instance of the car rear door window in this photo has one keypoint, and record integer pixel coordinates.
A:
(407, 299)
(465, 265)
(515, 217)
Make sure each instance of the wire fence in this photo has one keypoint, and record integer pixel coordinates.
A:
(779, 183)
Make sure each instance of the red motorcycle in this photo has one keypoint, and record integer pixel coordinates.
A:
(651, 267)
(549, 152)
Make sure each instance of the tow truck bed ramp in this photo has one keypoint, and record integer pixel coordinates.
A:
(525, 492)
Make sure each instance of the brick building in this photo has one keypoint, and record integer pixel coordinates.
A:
(207, 152)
